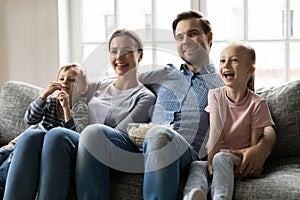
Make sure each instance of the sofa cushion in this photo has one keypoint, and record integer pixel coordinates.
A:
(15, 97)
(280, 180)
(284, 104)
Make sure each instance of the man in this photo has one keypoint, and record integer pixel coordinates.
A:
(181, 99)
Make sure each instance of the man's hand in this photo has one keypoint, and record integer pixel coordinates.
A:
(252, 161)
(253, 158)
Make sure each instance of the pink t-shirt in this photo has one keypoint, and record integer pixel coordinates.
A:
(238, 118)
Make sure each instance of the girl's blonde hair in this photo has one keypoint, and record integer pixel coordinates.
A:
(251, 60)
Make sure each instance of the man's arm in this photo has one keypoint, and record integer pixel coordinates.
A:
(255, 157)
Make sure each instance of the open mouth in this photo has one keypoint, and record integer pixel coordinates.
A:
(228, 75)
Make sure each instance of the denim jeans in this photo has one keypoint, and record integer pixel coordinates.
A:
(3, 175)
(222, 184)
(42, 161)
(165, 154)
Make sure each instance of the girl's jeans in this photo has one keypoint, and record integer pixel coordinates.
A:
(222, 184)
(164, 155)
(42, 161)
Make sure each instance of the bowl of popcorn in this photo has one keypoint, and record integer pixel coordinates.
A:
(137, 132)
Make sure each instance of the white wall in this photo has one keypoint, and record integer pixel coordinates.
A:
(29, 49)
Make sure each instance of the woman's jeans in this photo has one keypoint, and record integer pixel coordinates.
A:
(42, 162)
(164, 155)
(222, 184)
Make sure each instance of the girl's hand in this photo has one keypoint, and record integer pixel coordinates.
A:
(210, 170)
(52, 87)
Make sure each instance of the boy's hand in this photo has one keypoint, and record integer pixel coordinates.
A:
(63, 98)
(52, 87)
(9, 145)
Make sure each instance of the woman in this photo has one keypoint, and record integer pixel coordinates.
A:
(121, 101)
(134, 101)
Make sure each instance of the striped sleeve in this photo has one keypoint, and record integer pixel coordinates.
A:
(35, 112)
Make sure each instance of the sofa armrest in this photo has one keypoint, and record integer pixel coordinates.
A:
(15, 97)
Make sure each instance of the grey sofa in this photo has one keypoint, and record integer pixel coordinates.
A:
(281, 177)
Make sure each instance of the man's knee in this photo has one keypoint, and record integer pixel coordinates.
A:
(158, 137)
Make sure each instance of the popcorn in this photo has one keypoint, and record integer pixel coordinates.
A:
(138, 131)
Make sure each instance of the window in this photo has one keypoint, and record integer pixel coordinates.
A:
(272, 27)
(93, 22)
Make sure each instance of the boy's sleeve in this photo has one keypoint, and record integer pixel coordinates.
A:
(35, 111)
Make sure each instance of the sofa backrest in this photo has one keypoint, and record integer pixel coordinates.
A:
(283, 101)
(284, 104)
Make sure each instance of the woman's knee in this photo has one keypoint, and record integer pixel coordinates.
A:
(94, 131)
(93, 135)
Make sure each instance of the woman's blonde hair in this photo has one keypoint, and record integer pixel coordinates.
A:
(130, 33)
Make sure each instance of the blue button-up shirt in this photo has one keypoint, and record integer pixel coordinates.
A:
(181, 100)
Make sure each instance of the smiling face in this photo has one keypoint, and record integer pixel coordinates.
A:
(67, 79)
(193, 44)
(124, 54)
(72, 80)
(236, 66)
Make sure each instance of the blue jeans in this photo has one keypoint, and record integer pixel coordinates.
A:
(42, 162)
(165, 154)
(222, 184)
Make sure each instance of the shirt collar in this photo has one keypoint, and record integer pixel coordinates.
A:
(205, 69)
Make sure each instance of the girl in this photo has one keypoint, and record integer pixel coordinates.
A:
(237, 117)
